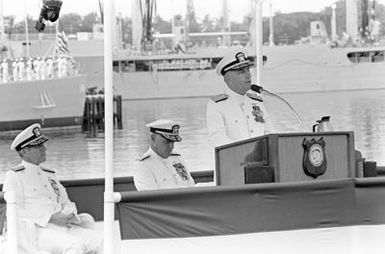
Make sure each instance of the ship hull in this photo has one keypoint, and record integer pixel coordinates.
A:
(53, 103)
(288, 69)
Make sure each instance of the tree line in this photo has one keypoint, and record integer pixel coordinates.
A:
(287, 27)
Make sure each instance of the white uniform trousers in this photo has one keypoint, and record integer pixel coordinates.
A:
(75, 240)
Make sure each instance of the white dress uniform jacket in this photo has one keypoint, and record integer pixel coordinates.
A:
(39, 194)
(232, 117)
(154, 172)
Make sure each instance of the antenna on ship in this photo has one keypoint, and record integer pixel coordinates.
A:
(352, 19)
(258, 40)
(226, 24)
(26, 28)
(2, 34)
(271, 25)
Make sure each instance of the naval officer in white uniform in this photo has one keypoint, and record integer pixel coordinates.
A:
(48, 221)
(160, 167)
(239, 113)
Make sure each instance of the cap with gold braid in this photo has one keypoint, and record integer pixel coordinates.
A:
(167, 128)
(233, 61)
(31, 136)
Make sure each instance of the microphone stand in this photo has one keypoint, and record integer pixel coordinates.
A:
(263, 90)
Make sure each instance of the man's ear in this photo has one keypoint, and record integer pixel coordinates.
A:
(22, 152)
(227, 78)
(152, 136)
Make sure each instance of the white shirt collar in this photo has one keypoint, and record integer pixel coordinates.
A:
(153, 153)
(235, 96)
(29, 165)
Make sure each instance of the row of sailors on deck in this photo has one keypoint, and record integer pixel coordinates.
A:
(49, 220)
(36, 69)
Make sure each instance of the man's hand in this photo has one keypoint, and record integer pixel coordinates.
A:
(61, 219)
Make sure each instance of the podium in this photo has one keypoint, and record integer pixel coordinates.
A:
(286, 157)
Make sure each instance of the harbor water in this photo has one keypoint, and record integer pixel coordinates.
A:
(76, 155)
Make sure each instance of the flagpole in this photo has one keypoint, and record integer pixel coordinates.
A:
(259, 39)
(56, 39)
(108, 137)
(26, 27)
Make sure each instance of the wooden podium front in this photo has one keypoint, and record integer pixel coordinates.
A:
(280, 158)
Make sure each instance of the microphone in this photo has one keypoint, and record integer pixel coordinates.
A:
(256, 88)
(260, 89)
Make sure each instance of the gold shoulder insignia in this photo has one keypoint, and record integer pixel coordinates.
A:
(47, 170)
(144, 156)
(174, 154)
(18, 168)
(219, 97)
(255, 96)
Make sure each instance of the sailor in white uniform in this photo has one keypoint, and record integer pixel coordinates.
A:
(239, 113)
(4, 71)
(47, 220)
(160, 167)
(15, 70)
(29, 70)
(21, 67)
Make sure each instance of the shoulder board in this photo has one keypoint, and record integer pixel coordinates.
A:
(47, 170)
(219, 97)
(144, 156)
(175, 154)
(18, 168)
(255, 96)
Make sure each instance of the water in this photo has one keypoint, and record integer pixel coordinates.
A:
(74, 155)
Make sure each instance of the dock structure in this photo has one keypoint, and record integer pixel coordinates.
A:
(93, 117)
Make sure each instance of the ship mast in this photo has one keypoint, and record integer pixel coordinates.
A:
(226, 23)
(351, 19)
(2, 34)
(147, 16)
(259, 39)
(137, 24)
(333, 23)
(101, 11)
(26, 28)
(365, 19)
(271, 25)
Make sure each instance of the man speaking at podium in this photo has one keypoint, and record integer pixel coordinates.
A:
(239, 113)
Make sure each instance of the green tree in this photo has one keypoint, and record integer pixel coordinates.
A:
(162, 26)
(207, 24)
(19, 27)
(127, 30)
(70, 22)
(88, 22)
(10, 25)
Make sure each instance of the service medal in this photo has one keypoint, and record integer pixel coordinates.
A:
(181, 170)
(258, 114)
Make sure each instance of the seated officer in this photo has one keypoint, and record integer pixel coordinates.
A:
(48, 221)
(240, 112)
(159, 167)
